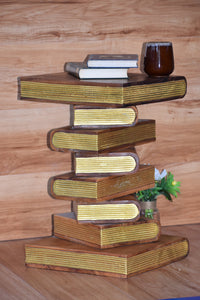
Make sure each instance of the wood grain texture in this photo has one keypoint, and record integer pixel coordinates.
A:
(180, 279)
(105, 235)
(35, 208)
(23, 145)
(21, 288)
(38, 38)
(94, 20)
(68, 186)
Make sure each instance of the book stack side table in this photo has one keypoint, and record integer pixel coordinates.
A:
(104, 233)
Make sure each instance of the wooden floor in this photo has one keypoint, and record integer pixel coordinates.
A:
(180, 279)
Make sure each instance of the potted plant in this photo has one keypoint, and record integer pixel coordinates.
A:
(164, 185)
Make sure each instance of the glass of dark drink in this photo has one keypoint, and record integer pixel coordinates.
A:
(158, 58)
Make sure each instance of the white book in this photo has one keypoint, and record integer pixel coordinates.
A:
(112, 60)
(80, 70)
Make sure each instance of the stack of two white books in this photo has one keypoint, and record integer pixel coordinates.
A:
(103, 66)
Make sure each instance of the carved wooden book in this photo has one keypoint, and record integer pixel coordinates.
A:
(68, 138)
(115, 211)
(125, 261)
(113, 163)
(98, 117)
(97, 189)
(105, 235)
(65, 88)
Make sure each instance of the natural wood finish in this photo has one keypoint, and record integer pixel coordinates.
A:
(68, 186)
(100, 140)
(126, 211)
(38, 38)
(123, 166)
(82, 116)
(65, 88)
(24, 141)
(34, 209)
(180, 279)
(105, 152)
(104, 236)
(17, 284)
(124, 262)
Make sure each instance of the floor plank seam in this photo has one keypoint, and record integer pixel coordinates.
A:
(19, 278)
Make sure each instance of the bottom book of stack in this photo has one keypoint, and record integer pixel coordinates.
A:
(123, 261)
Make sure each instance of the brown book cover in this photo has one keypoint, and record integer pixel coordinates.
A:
(125, 261)
(99, 140)
(96, 189)
(112, 163)
(116, 211)
(83, 116)
(107, 235)
(136, 89)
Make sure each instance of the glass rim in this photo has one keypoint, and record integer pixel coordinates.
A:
(158, 43)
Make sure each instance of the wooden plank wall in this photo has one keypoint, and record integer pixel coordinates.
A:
(38, 37)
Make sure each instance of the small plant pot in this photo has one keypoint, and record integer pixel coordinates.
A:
(149, 210)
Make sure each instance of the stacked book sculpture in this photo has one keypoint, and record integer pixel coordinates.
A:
(104, 233)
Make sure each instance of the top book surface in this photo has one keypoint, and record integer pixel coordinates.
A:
(136, 89)
(112, 60)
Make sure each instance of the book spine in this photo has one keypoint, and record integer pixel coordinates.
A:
(113, 163)
(72, 69)
(98, 117)
(110, 212)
